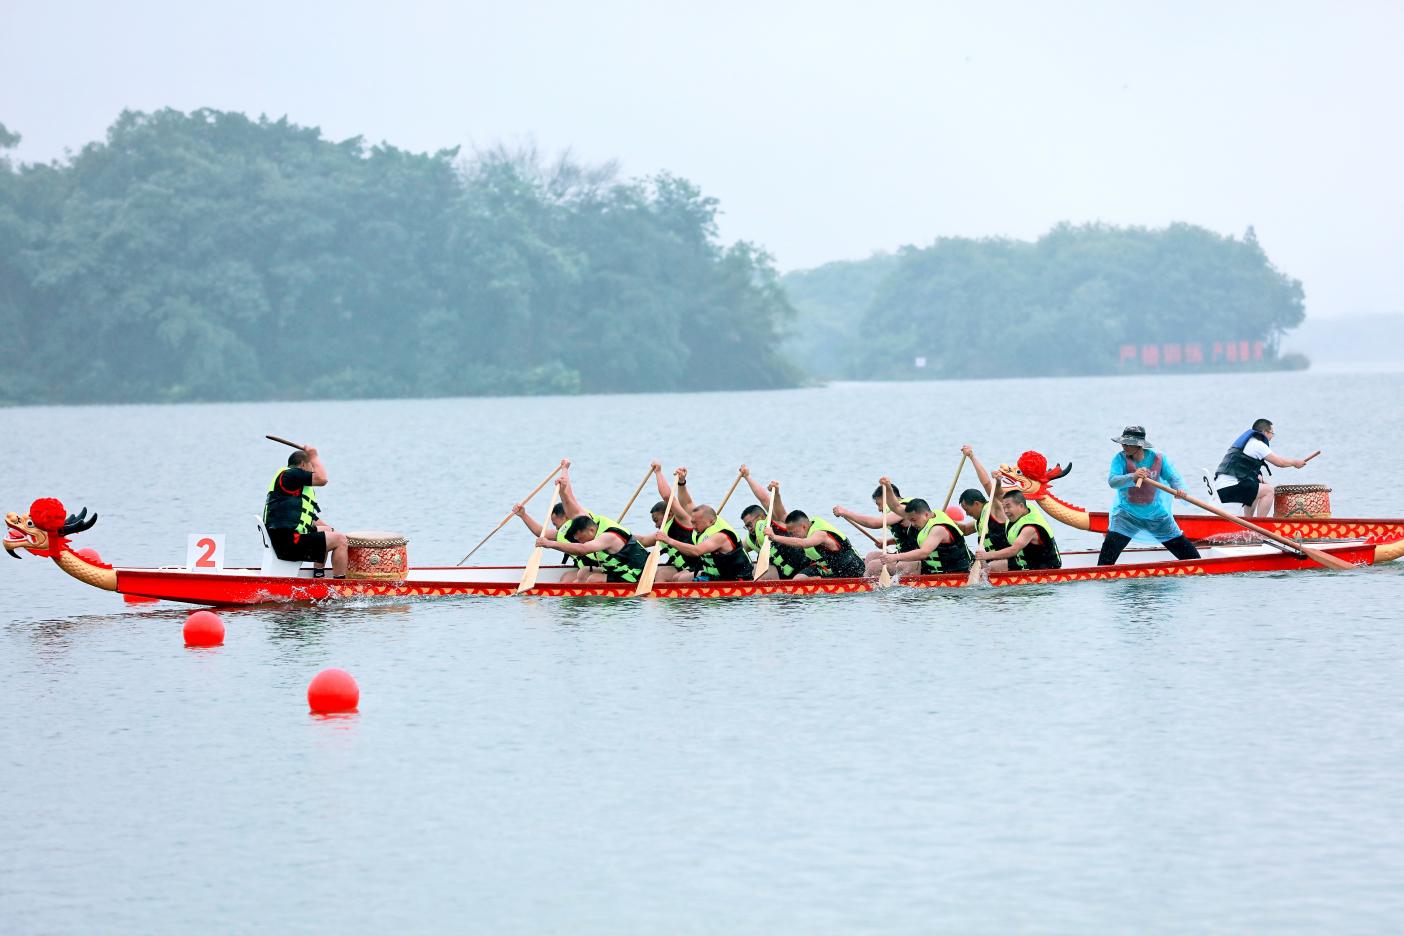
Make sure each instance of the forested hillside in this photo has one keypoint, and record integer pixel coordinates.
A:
(1080, 300)
(209, 256)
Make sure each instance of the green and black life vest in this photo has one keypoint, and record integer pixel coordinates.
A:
(786, 560)
(950, 556)
(732, 565)
(1036, 555)
(682, 534)
(284, 511)
(625, 565)
(561, 538)
(843, 563)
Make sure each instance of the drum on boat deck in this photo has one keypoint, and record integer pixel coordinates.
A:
(376, 555)
(1304, 501)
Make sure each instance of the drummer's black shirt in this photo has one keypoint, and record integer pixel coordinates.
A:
(293, 480)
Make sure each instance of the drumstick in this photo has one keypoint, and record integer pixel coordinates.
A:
(274, 438)
(1311, 456)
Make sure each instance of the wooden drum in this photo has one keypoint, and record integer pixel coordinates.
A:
(1303, 501)
(376, 555)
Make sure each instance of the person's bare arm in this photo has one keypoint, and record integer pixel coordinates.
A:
(664, 491)
(938, 536)
(986, 481)
(756, 488)
(871, 521)
(1025, 537)
(602, 543)
(682, 507)
(780, 510)
(319, 471)
(714, 543)
(572, 506)
(519, 510)
(813, 539)
(1277, 461)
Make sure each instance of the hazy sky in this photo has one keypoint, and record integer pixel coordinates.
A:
(826, 130)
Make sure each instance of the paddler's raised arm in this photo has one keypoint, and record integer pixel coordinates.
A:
(682, 507)
(756, 488)
(986, 481)
(572, 506)
(664, 491)
(780, 510)
(519, 510)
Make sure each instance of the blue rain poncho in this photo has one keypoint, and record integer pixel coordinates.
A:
(1155, 520)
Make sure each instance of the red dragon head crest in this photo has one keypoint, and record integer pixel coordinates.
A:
(44, 531)
(1032, 475)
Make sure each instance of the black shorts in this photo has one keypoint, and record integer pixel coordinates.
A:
(1244, 492)
(298, 547)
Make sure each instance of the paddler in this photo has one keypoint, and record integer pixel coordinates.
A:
(295, 531)
(614, 548)
(827, 550)
(582, 565)
(673, 566)
(1239, 477)
(1031, 541)
(973, 501)
(940, 545)
(894, 516)
(1145, 510)
(718, 547)
(785, 561)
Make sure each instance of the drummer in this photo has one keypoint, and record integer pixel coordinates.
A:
(295, 531)
(1239, 477)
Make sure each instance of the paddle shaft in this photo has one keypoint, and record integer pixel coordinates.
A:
(637, 491)
(884, 576)
(954, 481)
(650, 569)
(981, 528)
(763, 550)
(533, 566)
(536, 490)
(273, 438)
(729, 491)
(1316, 555)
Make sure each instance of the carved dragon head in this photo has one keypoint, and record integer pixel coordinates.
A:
(1032, 475)
(44, 531)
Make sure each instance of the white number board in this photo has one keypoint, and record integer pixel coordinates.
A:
(204, 552)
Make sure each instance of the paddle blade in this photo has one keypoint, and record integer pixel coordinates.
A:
(533, 567)
(884, 577)
(977, 573)
(762, 561)
(1326, 559)
(650, 570)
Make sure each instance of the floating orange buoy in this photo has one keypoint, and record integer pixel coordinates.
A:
(333, 690)
(88, 553)
(204, 629)
(955, 513)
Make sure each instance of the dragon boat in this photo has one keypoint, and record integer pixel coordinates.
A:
(1034, 478)
(47, 528)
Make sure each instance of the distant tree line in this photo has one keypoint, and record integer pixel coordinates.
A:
(1068, 303)
(208, 256)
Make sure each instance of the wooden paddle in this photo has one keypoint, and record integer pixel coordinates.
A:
(533, 566)
(300, 448)
(763, 553)
(977, 568)
(954, 481)
(884, 577)
(650, 569)
(1315, 555)
(638, 490)
(536, 490)
(729, 492)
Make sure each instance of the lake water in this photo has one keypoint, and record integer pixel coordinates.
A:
(1216, 755)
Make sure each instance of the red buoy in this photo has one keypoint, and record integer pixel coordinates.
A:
(333, 690)
(88, 553)
(204, 629)
(955, 513)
